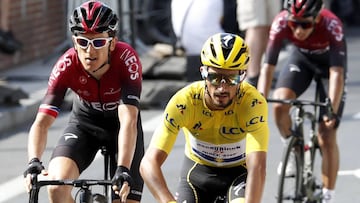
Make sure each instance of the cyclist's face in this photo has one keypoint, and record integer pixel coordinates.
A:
(222, 86)
(301, 27)
(93, 49)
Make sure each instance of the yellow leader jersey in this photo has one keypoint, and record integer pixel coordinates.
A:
(219, 138)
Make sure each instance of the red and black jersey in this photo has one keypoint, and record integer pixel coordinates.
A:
(327, 37)
(121, 83)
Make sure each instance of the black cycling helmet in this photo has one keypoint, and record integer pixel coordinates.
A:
(93, 17)
(303, 8)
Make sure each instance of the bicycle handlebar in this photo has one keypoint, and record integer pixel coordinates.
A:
(79, 183)
(300, 103)
(73, 182)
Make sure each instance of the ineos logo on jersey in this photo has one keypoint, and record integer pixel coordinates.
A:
(277, 26)
(336, 30)
(106, 106)
(109, 106)
(131, 64)
(59, 67)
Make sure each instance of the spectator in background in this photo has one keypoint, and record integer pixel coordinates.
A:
(8, 43)
(255, 18)
(346, 10)
(194, 21)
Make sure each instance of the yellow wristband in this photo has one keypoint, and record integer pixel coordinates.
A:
(172, 202)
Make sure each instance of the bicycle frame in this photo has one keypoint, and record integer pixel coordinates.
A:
(305, 184)
(83, 184)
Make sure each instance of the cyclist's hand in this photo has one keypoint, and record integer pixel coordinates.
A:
(331, 122)
(122, 181)
(35, 167)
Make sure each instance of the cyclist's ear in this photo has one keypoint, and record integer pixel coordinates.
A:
(113, 43)
(203, 71)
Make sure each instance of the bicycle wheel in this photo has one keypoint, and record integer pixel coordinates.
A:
(289, 188)
(312, 186)
(33, 196)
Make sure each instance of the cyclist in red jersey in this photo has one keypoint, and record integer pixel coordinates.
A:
(318, 40)
(106, 76)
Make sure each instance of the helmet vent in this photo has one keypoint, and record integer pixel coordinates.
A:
(240, 52)
(213, 52)
(93, 17)
(226, 51)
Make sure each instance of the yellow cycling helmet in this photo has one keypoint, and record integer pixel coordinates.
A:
(225, 51)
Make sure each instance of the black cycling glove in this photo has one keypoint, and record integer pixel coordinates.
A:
(35, 166)
(122, 174)
(337, 120)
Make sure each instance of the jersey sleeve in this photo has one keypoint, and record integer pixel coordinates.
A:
(257, 138)
(337, 43)
(132, 75)
(57, 87)
(276, 37)
(174, 118)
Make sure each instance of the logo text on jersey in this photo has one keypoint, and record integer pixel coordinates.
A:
(131, 63)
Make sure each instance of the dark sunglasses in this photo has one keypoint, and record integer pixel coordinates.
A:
(231, 80)
(302, 24)
(97, 43)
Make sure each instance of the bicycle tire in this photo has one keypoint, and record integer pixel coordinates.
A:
(289, 188)
(33, 196)
(312, 188)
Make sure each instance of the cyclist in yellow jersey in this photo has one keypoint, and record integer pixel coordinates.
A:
(224, 120)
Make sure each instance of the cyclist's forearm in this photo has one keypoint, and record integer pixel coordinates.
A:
(256, 164)
(155, 181)
(254, 187)
(126, 145)
(127, 134)
(265, 79)
(336, 86)
(38, 135)
(158, 188)
(150, 169)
